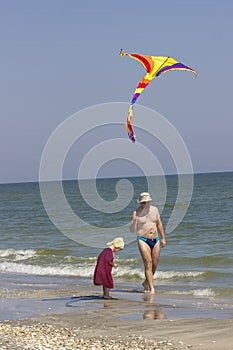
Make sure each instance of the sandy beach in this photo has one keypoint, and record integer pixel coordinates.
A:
(89, 322)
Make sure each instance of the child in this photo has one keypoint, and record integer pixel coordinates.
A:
(105, 263)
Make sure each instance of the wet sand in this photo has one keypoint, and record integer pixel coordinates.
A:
(86, 321)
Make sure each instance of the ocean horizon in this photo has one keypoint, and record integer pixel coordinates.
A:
(129, 176)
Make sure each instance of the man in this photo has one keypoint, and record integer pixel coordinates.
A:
(147, 223)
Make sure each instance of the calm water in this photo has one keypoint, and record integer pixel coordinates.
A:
(197, 261)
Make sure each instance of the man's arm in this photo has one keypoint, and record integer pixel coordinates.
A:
(162, 233)
(133, 223)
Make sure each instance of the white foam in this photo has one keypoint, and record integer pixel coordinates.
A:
(177, 274)
(202, 293)
(18, 254)
(69, 270)
(123, 271)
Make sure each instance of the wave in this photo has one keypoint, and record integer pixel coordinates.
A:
(86, 270)
(68, 270)
(178, 274)
(18, 254)
(203, 293)
(12, 255)
(129, 273)
(208, 292)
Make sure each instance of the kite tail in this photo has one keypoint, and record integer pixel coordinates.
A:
(139, 89)
(129, 124)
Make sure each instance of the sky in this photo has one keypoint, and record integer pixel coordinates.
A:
(59, 57)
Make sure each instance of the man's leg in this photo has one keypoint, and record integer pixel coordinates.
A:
(145, 251)
(155, 257)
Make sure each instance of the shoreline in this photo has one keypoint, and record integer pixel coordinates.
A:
(70, 319)
(26, 300)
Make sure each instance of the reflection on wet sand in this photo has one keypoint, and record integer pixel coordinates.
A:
(147, 311)
(149, 297)
(153, 313)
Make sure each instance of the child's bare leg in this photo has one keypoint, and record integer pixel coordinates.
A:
(106, 294)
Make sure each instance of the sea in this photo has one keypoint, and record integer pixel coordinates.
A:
(195, 268)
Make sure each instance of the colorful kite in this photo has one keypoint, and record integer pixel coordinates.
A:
(155, 66)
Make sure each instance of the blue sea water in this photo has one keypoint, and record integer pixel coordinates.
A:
(196, 266)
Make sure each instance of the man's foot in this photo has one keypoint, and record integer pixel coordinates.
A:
(146, 287)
